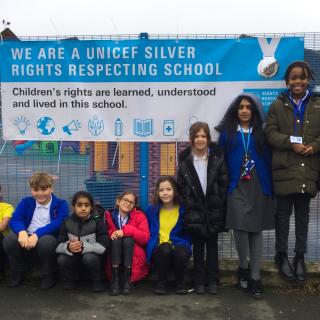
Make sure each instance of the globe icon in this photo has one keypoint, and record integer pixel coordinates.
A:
(46, 125)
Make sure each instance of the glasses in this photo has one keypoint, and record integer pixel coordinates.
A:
(127, 201)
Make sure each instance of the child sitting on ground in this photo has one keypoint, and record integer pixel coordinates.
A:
(35, 224)
(6, 210)
(82, 240)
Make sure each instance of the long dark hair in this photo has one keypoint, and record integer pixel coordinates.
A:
(176, 198)
(230, 122)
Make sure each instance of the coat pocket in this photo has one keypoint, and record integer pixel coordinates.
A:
(280, 159)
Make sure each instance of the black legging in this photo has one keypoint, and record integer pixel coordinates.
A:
(166, 256)
(122, 251)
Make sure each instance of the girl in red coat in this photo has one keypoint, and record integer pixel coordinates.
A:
(129, 233)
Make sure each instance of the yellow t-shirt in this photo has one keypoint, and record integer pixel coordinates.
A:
(6, 210)
(167, 220)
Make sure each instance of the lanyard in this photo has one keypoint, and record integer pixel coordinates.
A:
(246, 146)
(122, 221)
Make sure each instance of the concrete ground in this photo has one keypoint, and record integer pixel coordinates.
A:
(28, 302)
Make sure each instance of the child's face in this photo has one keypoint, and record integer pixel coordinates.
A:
(166, 192)
(298, 82)
(126, 203)
(82, 208)
(200, 142)
(244, 112)
(42, 195)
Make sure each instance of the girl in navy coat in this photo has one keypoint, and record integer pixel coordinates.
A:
(250, 206)
(169, 247)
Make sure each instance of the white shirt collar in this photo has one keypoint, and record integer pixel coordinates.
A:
(244, 130)
(47, 206)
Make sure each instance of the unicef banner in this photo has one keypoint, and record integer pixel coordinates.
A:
(133, 90)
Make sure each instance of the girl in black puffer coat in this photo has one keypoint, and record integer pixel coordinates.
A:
(203, 183)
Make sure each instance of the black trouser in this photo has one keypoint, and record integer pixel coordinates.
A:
(166, 257)
(69, 265)
(2, 255)
(285, 204)
(122, 251)
(18, 257)
(200, 272)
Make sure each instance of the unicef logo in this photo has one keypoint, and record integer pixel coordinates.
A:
(46, 126)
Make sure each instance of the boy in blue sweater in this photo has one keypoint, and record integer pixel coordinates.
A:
(35, 224)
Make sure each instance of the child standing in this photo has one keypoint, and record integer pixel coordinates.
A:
(169, 247)
(129, 233)
(203, 182)
(293, 131)
(35, 224)
(6, 210)
(250, 207)
(82, 240)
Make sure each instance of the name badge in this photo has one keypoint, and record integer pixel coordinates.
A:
(294, 139)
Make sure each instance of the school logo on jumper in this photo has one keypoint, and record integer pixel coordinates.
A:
(268, 66)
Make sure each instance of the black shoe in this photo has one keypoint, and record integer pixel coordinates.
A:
(69, 284)
(284, 267)
(47, 282)
(15, 280)
(115, 286)
(212, 287)
(127, 281)
(300, 269)
(242, 278)
(199, 289)
(255, 289)
(98, 286)
(160, 288)
(181, 288)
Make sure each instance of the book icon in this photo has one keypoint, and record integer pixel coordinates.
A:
(142, 127)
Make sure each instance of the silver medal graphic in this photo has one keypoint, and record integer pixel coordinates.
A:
(268, 66)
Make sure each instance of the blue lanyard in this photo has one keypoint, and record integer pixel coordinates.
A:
(246, 146)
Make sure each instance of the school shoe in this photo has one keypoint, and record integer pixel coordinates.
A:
(98, 286)
(242, 278)
(199, 289)
(255, 289)
(284, 267)
(47, 282)
(212, 287)
(300, 269)
(127, 281)
(15, 280)
(160, 288)
(115, 287)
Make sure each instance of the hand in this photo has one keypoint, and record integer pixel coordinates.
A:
(33, 239)
(309, 151)
(23, 239)
(75, 246)
(116, 235)
(299, 148)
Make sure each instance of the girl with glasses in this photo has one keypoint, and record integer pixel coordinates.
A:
(128, 231)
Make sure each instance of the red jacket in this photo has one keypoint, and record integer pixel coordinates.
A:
(137, 228)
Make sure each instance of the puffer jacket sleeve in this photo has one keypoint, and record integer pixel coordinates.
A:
(139, 232)
(101, 244)
(63, 240)
(274, 136)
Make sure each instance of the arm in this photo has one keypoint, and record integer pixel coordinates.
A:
(223, 180)
(4, 223)
(63, 241)
(62, 212)
(140, 233)
(7, 214)
(98, 247)
(18, 220)
(274, 136)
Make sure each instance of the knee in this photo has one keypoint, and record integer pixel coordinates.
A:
(181, 252)
(64, 260)
(128, 241)
(90, 259)
(165, 249)
(10, 242)
(47, 243)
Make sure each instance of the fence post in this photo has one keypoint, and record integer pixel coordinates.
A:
(144, 174)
